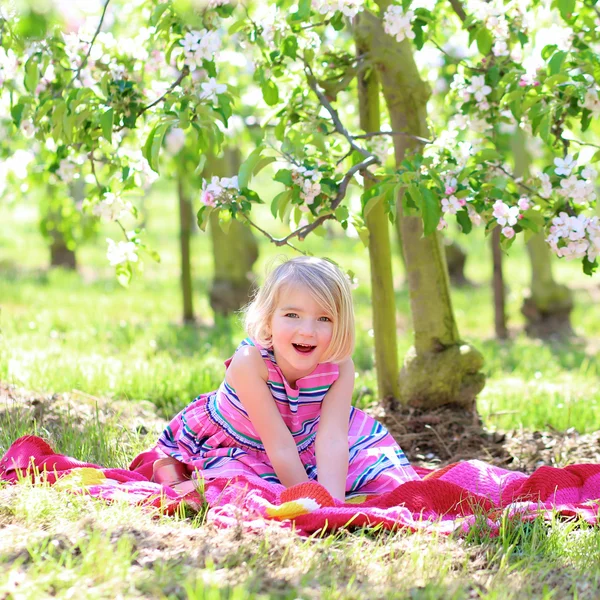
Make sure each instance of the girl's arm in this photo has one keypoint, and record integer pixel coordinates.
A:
(247, 374)
(332, 436)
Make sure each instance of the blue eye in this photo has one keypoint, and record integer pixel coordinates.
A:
(326, 319)
(291, 315)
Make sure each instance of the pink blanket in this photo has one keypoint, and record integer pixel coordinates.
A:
(446, 500)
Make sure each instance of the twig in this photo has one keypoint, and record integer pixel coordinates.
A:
(339, 127)
(459, 10)
(582, 143)
(363, 136)
(519, 183)
(276, 241)
(184, 73)
(85, 59)
(439, 437)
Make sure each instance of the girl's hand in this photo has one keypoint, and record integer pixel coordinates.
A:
(332, 434)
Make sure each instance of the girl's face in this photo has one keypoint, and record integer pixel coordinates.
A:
(301, 331)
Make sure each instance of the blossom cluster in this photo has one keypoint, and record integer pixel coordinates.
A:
(199, 46)
(112, 207)
(308, 181)
(349, 8)
(508, 216)
(219, 190)
(575, 237)
(9, 65)
(119, 253)
(451, 204)
(493, 16)
(397, 23)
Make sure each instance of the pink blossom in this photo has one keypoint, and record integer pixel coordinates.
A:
(508, 232)
(208, 199)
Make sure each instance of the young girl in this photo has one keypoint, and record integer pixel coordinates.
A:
(283, 411)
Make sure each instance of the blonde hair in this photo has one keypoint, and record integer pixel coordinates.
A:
(328, 285)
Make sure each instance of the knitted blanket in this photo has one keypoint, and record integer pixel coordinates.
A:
(446, 500)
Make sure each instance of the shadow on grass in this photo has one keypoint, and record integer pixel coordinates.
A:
(528, 354)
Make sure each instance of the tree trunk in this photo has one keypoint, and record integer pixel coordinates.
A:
(60, 254)
(455, 261)
(380, 255)
(234, 251)
(548, 306)
(185, 227)
(498, 287)
(439, 369)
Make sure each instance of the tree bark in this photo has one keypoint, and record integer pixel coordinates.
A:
(380, 255)
(547, 308)
(440, 368)
(498, 287)
(185, 228)
(234, 251)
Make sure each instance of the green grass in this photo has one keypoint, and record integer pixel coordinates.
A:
(107, 350)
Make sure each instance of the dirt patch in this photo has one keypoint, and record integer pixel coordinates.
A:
(445, 435)
(77, 408)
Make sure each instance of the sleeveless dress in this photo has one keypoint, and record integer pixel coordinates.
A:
(215, 436)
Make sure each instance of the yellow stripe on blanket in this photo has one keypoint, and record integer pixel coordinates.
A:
(293, 509)
(80, 477)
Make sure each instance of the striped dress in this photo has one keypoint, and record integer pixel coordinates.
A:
(214, 435)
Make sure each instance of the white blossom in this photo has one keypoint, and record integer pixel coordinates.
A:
(591, 101)
(565, 165)
(397, 23)
(349, 8)
(66, 170)
(504, 214)
(121, 252)
(546, 190)
(211, 88)
(112, 207)
(479, 88)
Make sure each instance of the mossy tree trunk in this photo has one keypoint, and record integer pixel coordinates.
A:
(547, 307)
(440, 368)
(185, 230)
(380, 255)
(234, 251)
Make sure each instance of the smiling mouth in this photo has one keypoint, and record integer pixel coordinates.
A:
(303, 348)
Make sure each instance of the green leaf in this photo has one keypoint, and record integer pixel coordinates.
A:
(152, 146)
(371, 204)
(566, 8)
(124, 274)
(225, 221)
(431, 211)
(16, 113)
(270, 92)
(106, 122)
(262, 163)
(588, 266)
(462, 216)
(204, 216)
(32, 74)
(485, 41)
(290, 46)
(487, 154)
(237, 26)
(248, 166)
(303, 10)
(284, 176)
(555, 63)
(280, 203)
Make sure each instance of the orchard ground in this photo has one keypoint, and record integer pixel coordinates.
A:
(97, 369)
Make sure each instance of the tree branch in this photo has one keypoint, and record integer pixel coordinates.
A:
(87, 56)
(339, 127)
(459, 10)
(184, 73)
(362, 136)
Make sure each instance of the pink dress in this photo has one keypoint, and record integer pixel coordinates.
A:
(214, 435)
